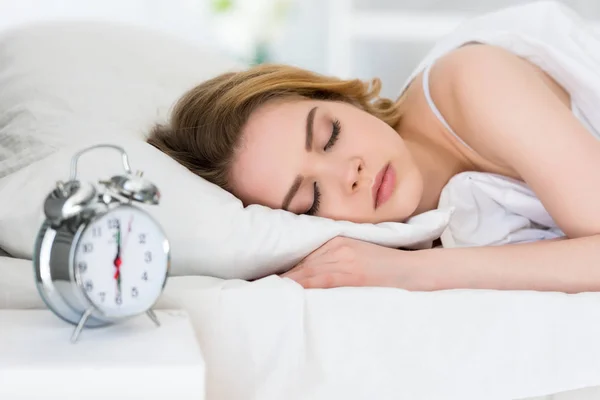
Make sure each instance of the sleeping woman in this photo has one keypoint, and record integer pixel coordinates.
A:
(290, 139)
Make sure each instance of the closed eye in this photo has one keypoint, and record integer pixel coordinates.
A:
(314, 209)
(335, 133)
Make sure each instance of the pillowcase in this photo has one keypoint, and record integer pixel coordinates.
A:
(94, 77)
(72, 85)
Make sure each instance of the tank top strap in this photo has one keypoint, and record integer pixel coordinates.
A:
(433, 107)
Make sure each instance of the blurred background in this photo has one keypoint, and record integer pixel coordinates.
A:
(348, 38)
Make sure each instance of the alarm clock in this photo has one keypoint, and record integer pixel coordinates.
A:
(99, 258)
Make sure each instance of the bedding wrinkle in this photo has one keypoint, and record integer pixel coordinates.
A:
(492, 209)
(269, 338)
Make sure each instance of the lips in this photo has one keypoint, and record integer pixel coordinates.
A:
(384, 185)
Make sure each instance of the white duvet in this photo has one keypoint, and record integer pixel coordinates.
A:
(270, 339)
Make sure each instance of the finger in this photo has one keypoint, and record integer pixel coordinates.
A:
(320, 256)
(325, 281)
(313, 267)
(293, 272)
(299, 271)
(289, 273)
(322, 251)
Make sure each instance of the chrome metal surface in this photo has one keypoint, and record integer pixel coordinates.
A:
(68, 200)
(135, 188)
(153, 317)
(86, 315)
(75, 159)
(54, 277)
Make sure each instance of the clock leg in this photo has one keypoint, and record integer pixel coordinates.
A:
(153, 317)
(81, 324)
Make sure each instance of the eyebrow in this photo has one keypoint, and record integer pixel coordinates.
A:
(309, 128)
(310, 118)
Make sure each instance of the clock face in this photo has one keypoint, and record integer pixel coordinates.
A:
(121, 261)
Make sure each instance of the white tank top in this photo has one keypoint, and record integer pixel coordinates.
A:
(574, 109)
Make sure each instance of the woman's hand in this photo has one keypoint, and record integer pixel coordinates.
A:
(350, 262)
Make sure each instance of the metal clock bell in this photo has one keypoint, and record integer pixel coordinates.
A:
(98, 258)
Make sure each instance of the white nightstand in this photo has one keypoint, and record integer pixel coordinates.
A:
(135, 360)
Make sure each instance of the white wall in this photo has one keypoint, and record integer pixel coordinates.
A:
(305, 42)
(185, 18)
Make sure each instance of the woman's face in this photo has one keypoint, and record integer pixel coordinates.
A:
(326, 158)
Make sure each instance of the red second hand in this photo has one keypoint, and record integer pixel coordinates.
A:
(118, 260)
(118, 265)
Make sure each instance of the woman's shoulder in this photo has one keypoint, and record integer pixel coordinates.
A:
(477, 83)
(466, 76)
(435, 104)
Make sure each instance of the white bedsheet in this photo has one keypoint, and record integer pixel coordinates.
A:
(493, 210)
(270, 339)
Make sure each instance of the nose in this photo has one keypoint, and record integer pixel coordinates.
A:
(355, 178)
(349, 175)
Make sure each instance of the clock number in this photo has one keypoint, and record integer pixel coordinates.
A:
(148, 256)
(88, 247)
(142, 238)
(96, 231)
(89, 286)
(145, 275)
(102, 296)
(82, 267)
(119, 299)
(134, 292)
(113, 223)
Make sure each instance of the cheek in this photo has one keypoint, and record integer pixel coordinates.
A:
(374, 137)
(353, 208)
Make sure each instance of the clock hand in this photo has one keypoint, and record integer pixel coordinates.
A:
(120, 250)
(117, 261)
(126, 240)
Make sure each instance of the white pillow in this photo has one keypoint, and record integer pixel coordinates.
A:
(66, 86)
(59, 77)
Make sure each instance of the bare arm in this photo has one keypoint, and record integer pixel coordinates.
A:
(564, 266)
(503, 109)
(508, 114)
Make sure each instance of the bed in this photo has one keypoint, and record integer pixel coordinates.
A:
(276, 340)
(264, 336)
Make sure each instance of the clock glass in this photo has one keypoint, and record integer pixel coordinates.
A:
(121, 261)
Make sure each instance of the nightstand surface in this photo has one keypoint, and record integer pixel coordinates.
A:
(131, 360)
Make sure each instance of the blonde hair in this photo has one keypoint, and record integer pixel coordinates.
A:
(206, 123)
